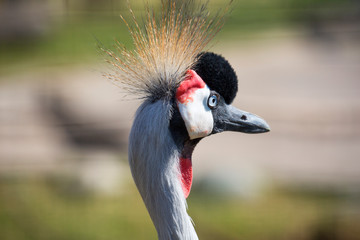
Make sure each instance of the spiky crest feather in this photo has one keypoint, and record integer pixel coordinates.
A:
(164, 48)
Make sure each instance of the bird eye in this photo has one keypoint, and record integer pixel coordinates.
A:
(213, 101)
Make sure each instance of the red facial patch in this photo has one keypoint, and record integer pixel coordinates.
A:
(186, 175)
(189, 86)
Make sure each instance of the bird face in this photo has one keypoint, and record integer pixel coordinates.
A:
(206, 110)
(192, 98)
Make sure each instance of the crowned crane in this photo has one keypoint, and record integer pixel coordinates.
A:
(186, 96)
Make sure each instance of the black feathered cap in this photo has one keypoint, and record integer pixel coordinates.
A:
(218, 74)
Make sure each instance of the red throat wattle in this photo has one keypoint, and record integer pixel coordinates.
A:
(186, 175)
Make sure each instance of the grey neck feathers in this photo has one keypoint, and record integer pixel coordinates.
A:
(154, 162)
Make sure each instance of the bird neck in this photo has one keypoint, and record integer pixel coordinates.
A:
(156, 164)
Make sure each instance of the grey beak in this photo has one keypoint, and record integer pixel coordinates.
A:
(241, 121)
(230, 118)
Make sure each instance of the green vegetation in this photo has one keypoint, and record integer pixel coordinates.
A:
(73, 39)
(39, 209)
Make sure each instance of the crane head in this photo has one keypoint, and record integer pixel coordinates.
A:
(204, 100)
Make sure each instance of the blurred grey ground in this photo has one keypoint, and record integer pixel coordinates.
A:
(308, 89)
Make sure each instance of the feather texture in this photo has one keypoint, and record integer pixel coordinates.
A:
(165, 47)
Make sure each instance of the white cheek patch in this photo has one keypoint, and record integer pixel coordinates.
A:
(196, 113)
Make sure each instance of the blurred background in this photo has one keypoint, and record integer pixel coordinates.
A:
(64, 127)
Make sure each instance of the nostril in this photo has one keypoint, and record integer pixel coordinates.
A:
(243, 117)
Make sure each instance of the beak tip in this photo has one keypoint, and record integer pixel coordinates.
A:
(266, 127)
(262, 126)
